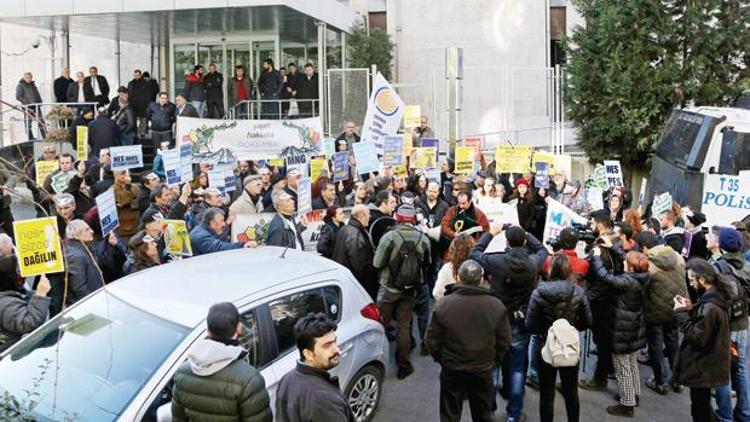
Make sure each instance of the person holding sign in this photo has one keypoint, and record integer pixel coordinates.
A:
(145, 252)
(284, 230)
(422, 131)
(464, 217)
(210, 235)
(84, 276)
(126, 198)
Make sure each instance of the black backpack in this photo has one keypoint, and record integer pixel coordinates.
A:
(406, 269)
(739, 305)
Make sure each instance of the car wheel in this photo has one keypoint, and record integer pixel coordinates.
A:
(363, 393)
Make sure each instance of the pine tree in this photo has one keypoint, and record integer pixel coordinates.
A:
(365, 49)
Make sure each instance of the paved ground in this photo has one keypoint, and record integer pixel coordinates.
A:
(417, 398)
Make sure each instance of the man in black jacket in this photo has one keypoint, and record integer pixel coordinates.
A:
(468, 335)
(99, 86)
(270, 85)
(162, 115)
(103, 134)
(216, 382)
(514, 275)
(354, 251)
(307, 92)
(309, 392)
(61, 86)
(140, 96)
(214, 83)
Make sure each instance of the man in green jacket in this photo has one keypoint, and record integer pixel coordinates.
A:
(399, 280)
(216, 383)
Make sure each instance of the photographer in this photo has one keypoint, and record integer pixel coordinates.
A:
(601, 298)
(514, 276)
(566, 243)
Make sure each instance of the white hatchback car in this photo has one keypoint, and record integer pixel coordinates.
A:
(113, 355)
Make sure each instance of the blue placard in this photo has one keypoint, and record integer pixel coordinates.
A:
(541, 177)
(341, 166)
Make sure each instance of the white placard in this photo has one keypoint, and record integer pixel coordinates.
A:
(186, 162)
(304, 195)
(126, 157)
(217, 179)
(172, 166)
(559, 217)
(614, 173)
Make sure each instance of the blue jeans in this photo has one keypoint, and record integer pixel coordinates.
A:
(741, 383)
(533, 358)
(515, 368)
(199, 106)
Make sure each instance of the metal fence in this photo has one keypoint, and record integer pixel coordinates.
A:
(42, 121)
(348, 91)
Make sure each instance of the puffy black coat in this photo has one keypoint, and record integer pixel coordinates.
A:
(103, 133)
(552, 300)
(19, 316)
(703, 361)
(629, 327)
(162, 117)
(327, 239)
(513, 273)
(354, 251)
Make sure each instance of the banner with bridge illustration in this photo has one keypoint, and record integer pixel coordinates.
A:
(216, 141)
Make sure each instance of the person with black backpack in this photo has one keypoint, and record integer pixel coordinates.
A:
(735, 273)
(558, 309)
(401, 256)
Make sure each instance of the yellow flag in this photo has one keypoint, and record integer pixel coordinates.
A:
(38, 244)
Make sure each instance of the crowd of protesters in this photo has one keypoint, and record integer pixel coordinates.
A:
(660, 288)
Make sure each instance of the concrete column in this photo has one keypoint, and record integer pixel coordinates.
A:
(322, 71)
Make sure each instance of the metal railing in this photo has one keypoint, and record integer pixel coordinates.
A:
(274, 109)
(43, 121)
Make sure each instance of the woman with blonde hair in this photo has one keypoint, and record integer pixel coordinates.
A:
(458, 252)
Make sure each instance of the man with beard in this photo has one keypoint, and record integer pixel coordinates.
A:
(464, 216)
(309, 392)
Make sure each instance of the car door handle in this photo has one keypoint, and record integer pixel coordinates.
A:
(346, 349)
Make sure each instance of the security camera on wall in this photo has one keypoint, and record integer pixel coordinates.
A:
(36, 42)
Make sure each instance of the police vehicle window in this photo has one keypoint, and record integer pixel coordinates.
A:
(286, 311)
(742, 152)
(332, 295)
(250, 339)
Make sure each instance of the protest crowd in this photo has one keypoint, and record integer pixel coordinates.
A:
(462, 246)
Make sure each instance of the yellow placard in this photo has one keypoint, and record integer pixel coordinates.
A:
(276, 162)
(38, 244)
(412, 116)
(407, 144)
(423, 158)
(44, 169)
(465, 160)
(318, 167)
(176, 237)
(400, 171)
(510, 159)
(82, 143)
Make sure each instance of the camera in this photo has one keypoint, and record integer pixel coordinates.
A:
(583, 231)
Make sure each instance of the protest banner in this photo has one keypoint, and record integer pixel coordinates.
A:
(384, 111)
(541, 176)
(82, 143)
(230, 179)
(613, 170)
(172, 166)
(304, 195)
(725, 198)
(341, 166)
(475, 143)
(251, 228)
(423, 158)
(318, 168)
(106, 207)
(314, 227)
(510, 159)
(500, 213)
(60, 181)
(126, 157)
(600, 177)
(297, 161)
(595, 199)
(367, 157)
(176, 238)
(544, 157)
(211, 139)
(563, 165)
(329, 147)
(217, 179)
(559, 217)
(401, 172)
(432, 143)
(38, 246)
(465, 160)
(412, 116)
(408, 144)
(44, 169)
(661, 203)
(186, 163)
(276, 162)
(393, 151)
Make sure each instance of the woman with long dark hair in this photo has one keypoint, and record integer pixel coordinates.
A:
(550, 301)
(524, 203)
(333, 222)
(458, 252)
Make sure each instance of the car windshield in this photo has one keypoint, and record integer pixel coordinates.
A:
(86, 365)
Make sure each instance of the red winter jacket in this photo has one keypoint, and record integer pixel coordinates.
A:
(580, 266)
